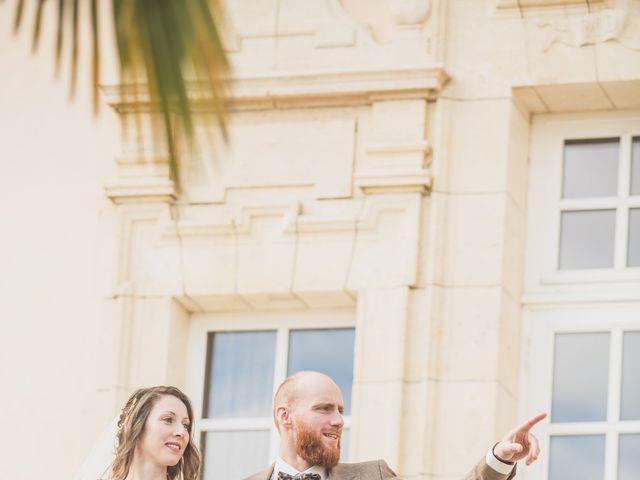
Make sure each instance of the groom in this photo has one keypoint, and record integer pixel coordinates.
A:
(308, 409)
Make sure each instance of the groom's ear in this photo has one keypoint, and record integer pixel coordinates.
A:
(283, 416)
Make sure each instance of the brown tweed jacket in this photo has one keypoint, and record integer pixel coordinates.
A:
(379, 470)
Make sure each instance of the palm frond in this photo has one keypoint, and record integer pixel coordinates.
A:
(167, 45)
(38, 24)
(60, 32)
(95, 53)
(18, 17)
(74, 45)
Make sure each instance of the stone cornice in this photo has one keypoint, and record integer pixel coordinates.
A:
(385, 181)
(141, 190)
(290, 89)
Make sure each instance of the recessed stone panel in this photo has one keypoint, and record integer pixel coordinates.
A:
(275, 149)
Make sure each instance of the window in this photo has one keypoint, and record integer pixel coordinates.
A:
(595, 408)
(584, 200)
(599, 192)
(581, 330)
(586, 363)
(244, 364)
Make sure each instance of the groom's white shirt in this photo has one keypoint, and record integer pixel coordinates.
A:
(284, 467)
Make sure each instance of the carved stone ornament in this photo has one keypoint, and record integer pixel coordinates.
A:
(593, 28)
(385, 18)
(410, 12)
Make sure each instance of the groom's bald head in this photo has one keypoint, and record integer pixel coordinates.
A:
(298, 385)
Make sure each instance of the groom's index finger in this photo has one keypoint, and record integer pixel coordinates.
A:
(529, 424)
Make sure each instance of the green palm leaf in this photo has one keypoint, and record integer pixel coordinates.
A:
(164, 48)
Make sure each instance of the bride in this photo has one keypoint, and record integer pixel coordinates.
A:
(153, 438)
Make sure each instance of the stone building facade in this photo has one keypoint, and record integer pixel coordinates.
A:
(439, 199)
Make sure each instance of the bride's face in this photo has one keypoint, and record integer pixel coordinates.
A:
(166, 432)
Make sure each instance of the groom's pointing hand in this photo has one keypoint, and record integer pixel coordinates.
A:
(520, 443)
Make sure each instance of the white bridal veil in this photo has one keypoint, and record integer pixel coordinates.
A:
(96, 465)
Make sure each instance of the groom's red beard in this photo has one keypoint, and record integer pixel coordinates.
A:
(310, 448)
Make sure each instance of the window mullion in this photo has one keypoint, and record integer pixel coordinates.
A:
(282, 353)
(624, 170)
(611, 455)
(620, 249)
(279, 374)
(602, 203)
(629, 426)
(613, 408)
(577, 428)
(615, 373)
(622, 214)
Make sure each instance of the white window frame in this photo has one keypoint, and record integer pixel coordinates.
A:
(549, 133)
(581, 300)
(281, 322)
(541, 324)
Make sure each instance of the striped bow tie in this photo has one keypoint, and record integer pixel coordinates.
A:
(299, 476)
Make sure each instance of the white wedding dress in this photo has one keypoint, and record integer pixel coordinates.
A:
(97, 464)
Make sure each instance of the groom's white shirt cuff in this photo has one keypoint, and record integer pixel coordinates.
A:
(498, 465)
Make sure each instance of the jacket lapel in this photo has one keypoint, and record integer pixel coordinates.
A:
(265, 474)
(338, 473)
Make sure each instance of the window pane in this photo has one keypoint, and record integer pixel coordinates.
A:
(326, 351)
(576, 457)
(629, 457)
(635, 167)
(578, 397)
(633, 255)
(590, 168)
(587, 239)
(240, 374)
(630, 403)
(234, 454)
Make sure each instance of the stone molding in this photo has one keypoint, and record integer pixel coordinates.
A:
(306, 88)
(339, 87)
(242, 219)
(408, 174)
(135, 222)
(384, 181)
(141, 189)
(503, 4)
(406, 147)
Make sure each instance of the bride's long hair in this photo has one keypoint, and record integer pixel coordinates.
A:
(131, 424)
